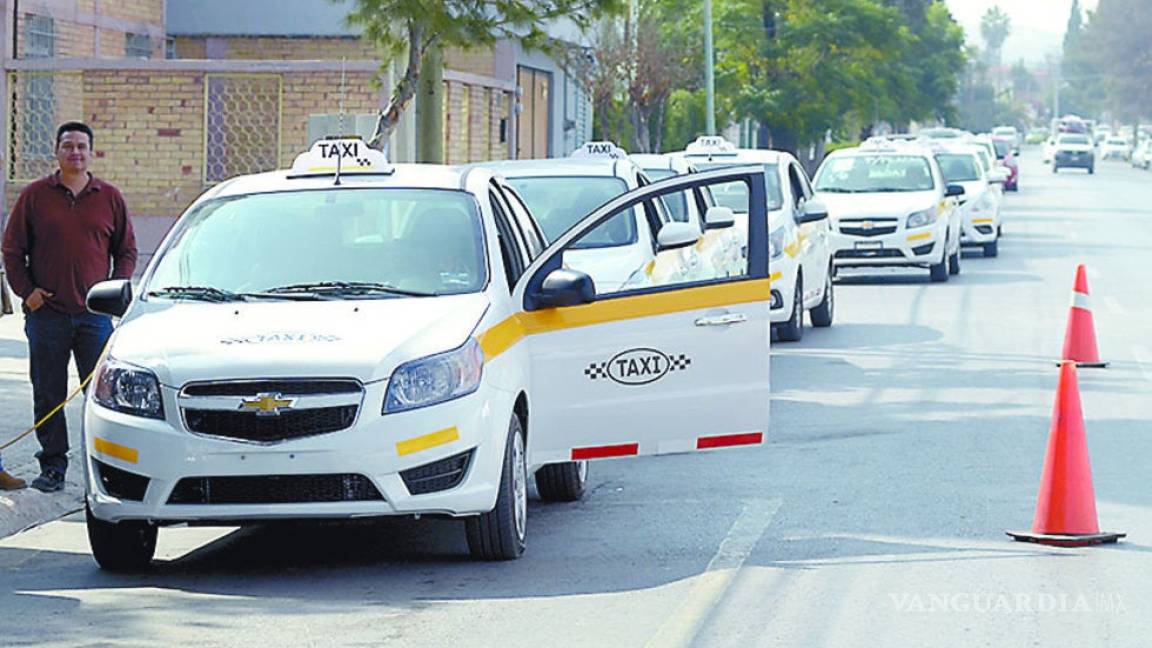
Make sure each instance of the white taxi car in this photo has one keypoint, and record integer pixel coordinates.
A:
(980, 206)
(890, 206)
(798, 245)
(559, 192)
(351, 339)
(1115, 148)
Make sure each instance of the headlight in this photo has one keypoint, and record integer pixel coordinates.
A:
(776, 244)
(131, 390)
(435, 379)
(922, 218)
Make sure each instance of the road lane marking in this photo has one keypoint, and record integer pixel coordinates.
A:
(681, 627)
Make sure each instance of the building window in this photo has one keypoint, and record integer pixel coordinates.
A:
(243, 125)
(170, 48)
(37, 124)
(137, 46)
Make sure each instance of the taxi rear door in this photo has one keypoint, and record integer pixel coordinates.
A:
(673, 367)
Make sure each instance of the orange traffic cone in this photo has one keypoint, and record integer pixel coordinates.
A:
(1066, 505)
(1080, 337)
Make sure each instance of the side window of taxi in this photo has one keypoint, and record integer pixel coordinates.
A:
(511, 245)
(799, 197)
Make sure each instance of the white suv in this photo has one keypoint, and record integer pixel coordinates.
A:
(890, 206)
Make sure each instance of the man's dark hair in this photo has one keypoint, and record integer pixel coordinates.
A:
(76, 126)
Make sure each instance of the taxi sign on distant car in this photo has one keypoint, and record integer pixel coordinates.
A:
(340, 155)
(710, 144)
(600, 150)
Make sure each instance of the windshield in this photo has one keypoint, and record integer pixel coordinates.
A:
(1003, 148)
(958, 167)
(875, 173)
(677, 203)
(559, 202)
(1074, 139)
(1004, 131)
(734, 195)
(417, 240)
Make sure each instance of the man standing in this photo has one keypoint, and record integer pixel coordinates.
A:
(67, 232)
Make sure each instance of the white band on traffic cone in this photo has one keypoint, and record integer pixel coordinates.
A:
(1080, 300)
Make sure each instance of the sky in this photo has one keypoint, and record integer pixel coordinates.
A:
(1037, 25)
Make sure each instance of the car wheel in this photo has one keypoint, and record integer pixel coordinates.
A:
(562, 482)
(992, 250)
(822, 315)
(120, 546)
(499, 534)
(938, 272)
(1091, 170)
(1055, 167)
(793, 329)
(954, 262)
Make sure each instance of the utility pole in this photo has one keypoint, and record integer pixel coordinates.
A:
(709, 72)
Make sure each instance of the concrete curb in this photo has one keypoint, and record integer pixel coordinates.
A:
(24, 509)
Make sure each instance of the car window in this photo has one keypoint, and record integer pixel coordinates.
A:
(1073, 139)
(677, 204)
(875, 173)
(559, 202)
(511, 247)
(533, 236)
(424, 240)
(958, 167)
(733, 195)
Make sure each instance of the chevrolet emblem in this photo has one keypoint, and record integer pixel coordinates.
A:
(867, 225)
(268, 404)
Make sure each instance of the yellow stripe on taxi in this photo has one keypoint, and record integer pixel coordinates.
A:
(428, 441)
(115, 450)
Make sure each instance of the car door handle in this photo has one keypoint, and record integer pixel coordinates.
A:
(722, 320)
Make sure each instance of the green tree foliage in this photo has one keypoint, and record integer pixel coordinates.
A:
(414, 26)
(935, 60)
(1122, 51)
(1082, 89)
(995, 27)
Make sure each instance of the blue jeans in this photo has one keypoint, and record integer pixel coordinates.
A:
(54, 337)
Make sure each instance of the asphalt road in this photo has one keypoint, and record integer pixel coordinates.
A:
(904, 441)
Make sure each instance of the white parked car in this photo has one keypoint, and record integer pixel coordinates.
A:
(1115, 148)
(1142, 156)
(980, 206)
(349, 339)
(799, 249)
(1011, 134)
(891, 206)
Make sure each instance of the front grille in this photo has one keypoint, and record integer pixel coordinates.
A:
(275, 489)
(875, 231)
(438, 475)
(868, 254)
(286, 387)
(247, 426)
(121, 483)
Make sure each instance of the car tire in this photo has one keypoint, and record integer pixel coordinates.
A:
(123, 547)
(793, 329)
(954, 262)
(824, 312)
(1091, 170)
(992, 250)
(1055, 167)
(500, 533)
(562, 482)
(938, 272)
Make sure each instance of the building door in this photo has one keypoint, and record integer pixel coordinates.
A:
(534, 123)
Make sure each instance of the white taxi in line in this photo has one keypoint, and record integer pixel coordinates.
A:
(351, 339)
(798, 245)
(980, 206)
(890, 206)
(559, 192)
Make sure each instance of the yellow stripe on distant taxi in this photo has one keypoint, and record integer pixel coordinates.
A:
(123, 453)
(982, 221)
(506, 334)
(920, 237)
(420, 443)
(774, 277)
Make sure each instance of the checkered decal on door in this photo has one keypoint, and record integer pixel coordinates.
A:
(597, 370)
(679, 363)
(602, 370)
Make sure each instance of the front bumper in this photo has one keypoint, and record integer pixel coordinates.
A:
(165, 453)
(1081, 160)
(979, 227)
(921, 247)
(783, 272)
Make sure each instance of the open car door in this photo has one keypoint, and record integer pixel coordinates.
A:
(677, 364)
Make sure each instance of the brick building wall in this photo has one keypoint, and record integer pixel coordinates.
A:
(77, 24)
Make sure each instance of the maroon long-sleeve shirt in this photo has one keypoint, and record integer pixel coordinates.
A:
(65, 244)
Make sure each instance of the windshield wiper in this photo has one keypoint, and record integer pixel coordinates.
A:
(893, 190)
(838, 190)
(346, 288)
(205, 293)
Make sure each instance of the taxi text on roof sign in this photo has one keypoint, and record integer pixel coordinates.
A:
(600, 150)
(710, 144)
(346, 155)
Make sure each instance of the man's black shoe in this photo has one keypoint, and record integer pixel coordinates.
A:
(49, 481)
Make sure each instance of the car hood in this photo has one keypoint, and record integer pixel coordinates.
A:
(898, 205)
(364, 339)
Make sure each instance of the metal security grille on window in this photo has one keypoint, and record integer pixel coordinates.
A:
(39, 101)
(137, 46)
(34, 112)
(243, 125)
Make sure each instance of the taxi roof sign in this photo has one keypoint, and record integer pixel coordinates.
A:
(341, 155)
(607, 150)
(710, 144)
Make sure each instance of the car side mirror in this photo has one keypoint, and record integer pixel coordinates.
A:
(566, 288)
(677, 235)
(718, 217)
(110, 297)
(954, 191)
(814, 210)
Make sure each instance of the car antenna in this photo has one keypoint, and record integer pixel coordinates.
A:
(340, 118)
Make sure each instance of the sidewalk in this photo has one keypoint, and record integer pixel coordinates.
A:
(20, 510)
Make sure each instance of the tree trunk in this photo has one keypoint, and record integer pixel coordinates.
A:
(640, 134)
(430, 108)
(404, 90)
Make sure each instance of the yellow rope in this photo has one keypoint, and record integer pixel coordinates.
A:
(49, 414)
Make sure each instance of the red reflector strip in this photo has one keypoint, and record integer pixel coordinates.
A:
(603, 452)
(729, 440)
